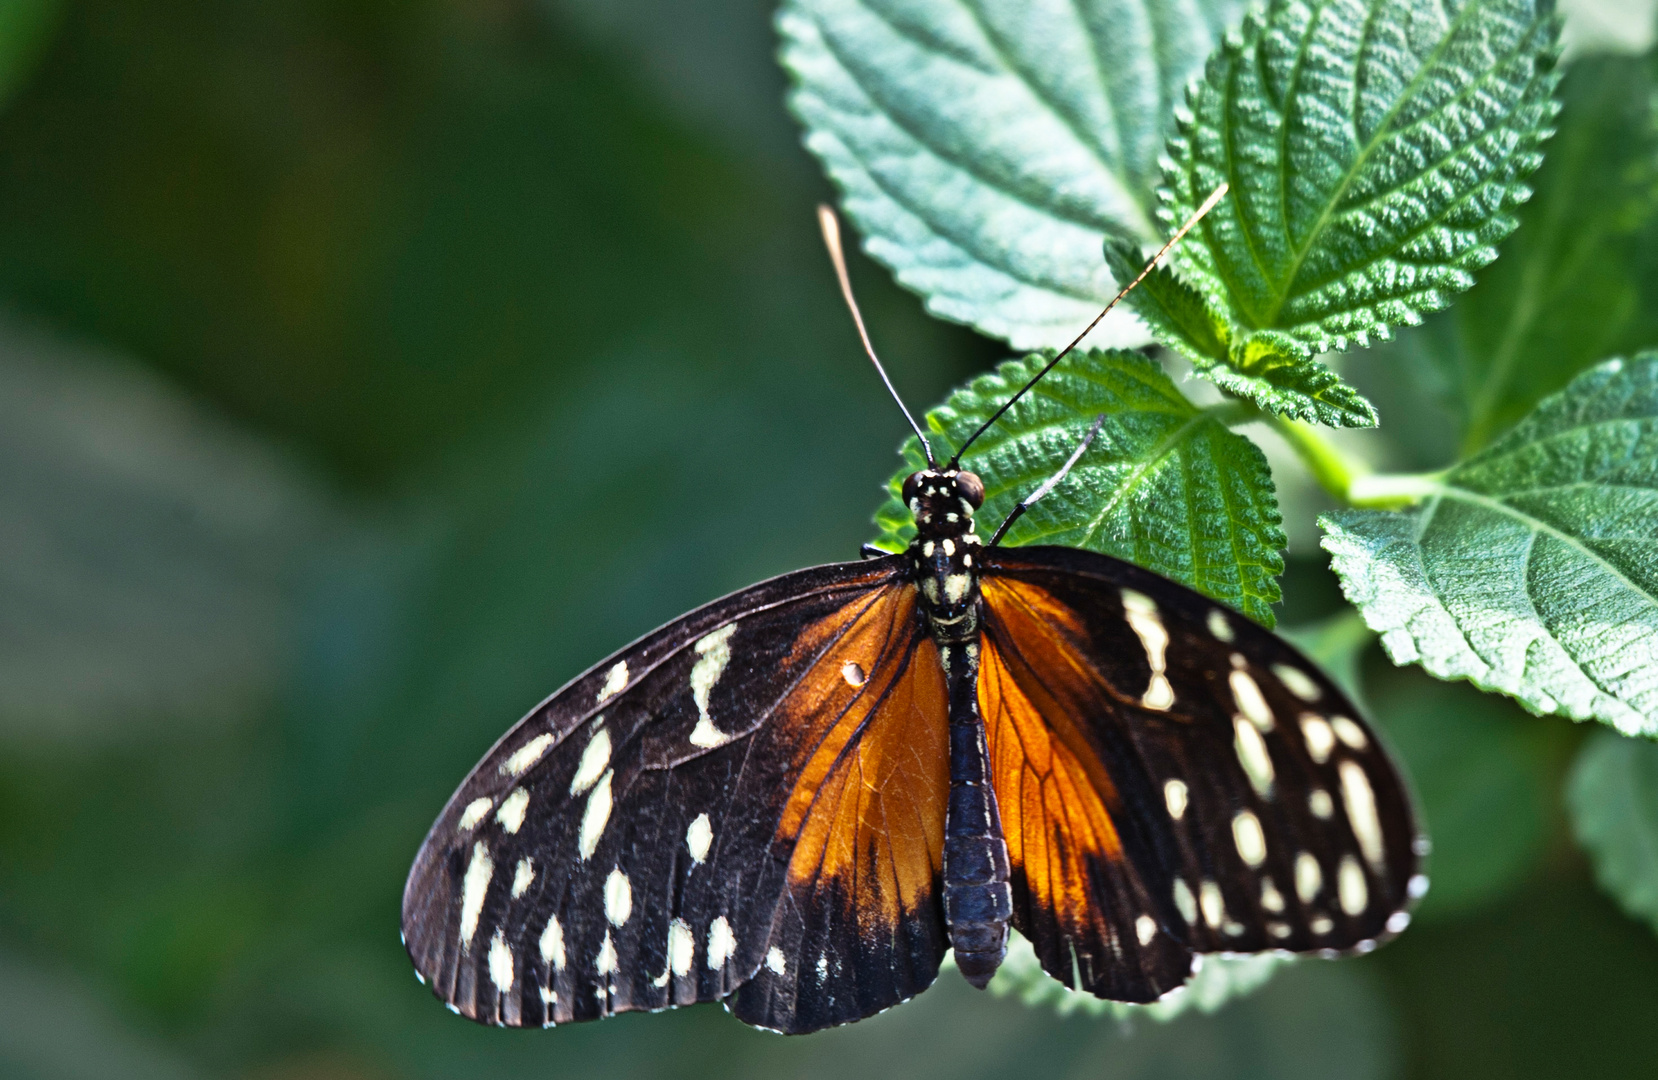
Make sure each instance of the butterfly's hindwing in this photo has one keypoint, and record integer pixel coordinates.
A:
(624, 847)
(1255, 808)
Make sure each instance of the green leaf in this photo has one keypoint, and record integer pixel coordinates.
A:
(1262, 367)
(1567, 291)
(1165, 485)
(1217, 981)
(1612, 800)
(984, 147)
(1374, 148)
(1532, 568)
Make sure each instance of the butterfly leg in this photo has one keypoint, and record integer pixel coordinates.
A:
(1050, 483)
(977, 898)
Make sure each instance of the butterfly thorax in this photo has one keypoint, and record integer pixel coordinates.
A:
(945, 554)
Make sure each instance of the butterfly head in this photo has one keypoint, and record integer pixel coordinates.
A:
(943, 501)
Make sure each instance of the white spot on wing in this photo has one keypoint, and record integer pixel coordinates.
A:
(618, 897)
(596, 816)
(511, 814)
(1253, 756)
(500, 963)
(1309, 879)
(595, 758)
(1145, 928)
(475, 811)
(774, 955)
(1141, 612)
(613, 682)
(552, 944)
(473, 888)
(1360, 802)
(1174, 794)
(1322, 925)
(682, 947)
(605, 962)
(1219, 627)
(1417, 887)
(1213, 904)
(853, 674)
(1297, 682)
(1185, 901)
(722, 943)
(1247, 693)
(1351, 888)
(1271, 898)
(1320, 803)
(698, 836)
(1349, 732)
(523, 876)
(1397, 922)
(1251, 841)
(1320, 739)
(525, 756)
(713, 654)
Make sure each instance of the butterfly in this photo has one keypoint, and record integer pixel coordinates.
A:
(795, 799)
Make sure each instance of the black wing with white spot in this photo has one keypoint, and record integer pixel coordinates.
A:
(631, 843)
(1255, 807)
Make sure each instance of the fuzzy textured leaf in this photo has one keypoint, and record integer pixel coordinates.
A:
(1532, 568)
(984, 147)
(1374, 148)
(1612, 800)
(1578, 281)
(1165, 485)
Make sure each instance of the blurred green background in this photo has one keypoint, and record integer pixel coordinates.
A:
(369, 368)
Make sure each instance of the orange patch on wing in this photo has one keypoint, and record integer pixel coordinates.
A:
(1052, 789)
(867, 811)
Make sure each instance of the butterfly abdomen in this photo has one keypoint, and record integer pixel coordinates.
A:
(978, 900)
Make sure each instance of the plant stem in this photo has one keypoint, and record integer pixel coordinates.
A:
(1348, 480)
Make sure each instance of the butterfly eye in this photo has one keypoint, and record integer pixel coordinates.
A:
(971, 488)
(912, 487)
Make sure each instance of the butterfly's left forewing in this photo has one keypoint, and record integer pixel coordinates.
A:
(1248, 805)
(632, 843)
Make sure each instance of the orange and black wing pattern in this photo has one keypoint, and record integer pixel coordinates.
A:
(1173, 779)
(746, 805)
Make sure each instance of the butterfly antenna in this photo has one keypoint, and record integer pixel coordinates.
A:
(1208, 204)
(1051, 482)
(831, 226)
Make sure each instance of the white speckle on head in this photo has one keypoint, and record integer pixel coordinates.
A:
(1322, 924)
(595, 817)
(1349, 732)
(1417, 887)
(1145, 928)
(682, 947)
(500, 963)
(1320, 739)
(1247, 693)
(774, 960)
(1141, 612)
(1279, 930)
(1397, 922)
(1271, 898)
(967, 560)
(1247, 835)
(949, 545)
(523, 876)
(1185, 901)
(713, 654)
(1351, 887)
(1253, 756)
(595, 759)
(511, 814)
(1320, 803)
(1297, 682)
(956, 586)
(525, 756)
(474, 886)
(618, 897)
(1309, 879)
(1174, 794)
(929, 586)
(952, 518)
(552, 945)
(605, 963)
(1214, 906)
(1219, 627)
(698, 836)
(927, 549)
(475, 811)
(1360, 802)
(614, 682)
(853, 674)
(722, 943)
